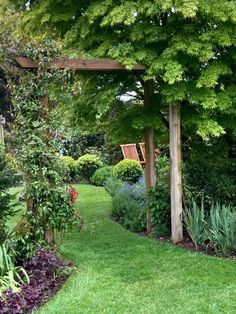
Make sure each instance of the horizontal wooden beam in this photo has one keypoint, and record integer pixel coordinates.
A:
(79, 64)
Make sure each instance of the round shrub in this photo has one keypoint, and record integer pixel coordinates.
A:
(69, 167)
(128, 170)
(101, 175)
(68, 161)
(12, 170)
(12, 163)
(87, 165)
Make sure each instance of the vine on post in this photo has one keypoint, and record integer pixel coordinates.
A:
(49, 208)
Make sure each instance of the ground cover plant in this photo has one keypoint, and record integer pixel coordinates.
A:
(46, 274)
(131, 270)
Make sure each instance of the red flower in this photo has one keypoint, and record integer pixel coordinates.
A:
(73, 194)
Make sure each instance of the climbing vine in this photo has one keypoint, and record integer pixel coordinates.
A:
(49, 207)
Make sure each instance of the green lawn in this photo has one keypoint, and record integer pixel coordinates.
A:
(18, 207)
(120, 272)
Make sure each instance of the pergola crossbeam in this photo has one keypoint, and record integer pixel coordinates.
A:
(79, 64)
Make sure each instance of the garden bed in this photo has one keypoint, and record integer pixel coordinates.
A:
(187, 244)
(47, 273)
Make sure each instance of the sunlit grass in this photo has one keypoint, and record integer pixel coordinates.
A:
(18, 207)
(120, 272)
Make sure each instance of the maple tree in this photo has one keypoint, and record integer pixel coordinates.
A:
(188, 47)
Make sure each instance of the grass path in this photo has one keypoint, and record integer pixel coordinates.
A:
(120, 272)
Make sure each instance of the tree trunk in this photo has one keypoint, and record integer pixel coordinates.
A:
(49, 236)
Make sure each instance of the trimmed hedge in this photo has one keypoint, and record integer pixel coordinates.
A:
(68, 161)
(101, 175)
(69, 167)
(87, 164)
(128, 170)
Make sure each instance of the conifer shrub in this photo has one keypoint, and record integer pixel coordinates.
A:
(128, 170)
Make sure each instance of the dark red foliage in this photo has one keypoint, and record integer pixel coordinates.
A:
(47, 274)
(73, 194)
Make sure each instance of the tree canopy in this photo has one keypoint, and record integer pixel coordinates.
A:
(188, 47)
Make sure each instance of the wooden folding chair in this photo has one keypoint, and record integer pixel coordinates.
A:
(130, 152)
(142, 149)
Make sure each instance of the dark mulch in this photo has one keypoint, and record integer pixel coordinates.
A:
(47, 274)
(189, 245)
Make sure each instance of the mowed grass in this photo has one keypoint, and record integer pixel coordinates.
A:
(120, 272)
(19, 207)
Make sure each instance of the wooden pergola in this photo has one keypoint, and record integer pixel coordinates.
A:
(79, 65)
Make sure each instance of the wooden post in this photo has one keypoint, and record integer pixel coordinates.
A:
(2, 123)
(49, 233)
(150, 157)
(176, 178)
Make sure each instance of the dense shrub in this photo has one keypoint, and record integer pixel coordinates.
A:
(87, 165)
(213, 227)
(112, 185)
(14, 173)
(160, 199)
(81, 143)
(210, 176)
(128, 170)
(68, 164)
(128, 206)
(67, 160)
(101, 175)
(5, 198)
